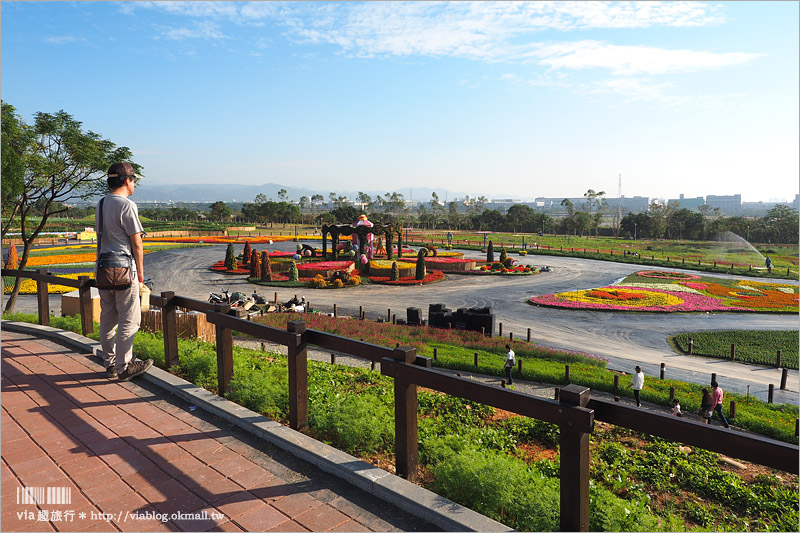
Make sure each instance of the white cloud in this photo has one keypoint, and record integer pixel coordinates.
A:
(198, 30)
(64, 39)
(630, 60)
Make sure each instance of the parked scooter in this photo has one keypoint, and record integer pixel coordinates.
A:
(216, 298)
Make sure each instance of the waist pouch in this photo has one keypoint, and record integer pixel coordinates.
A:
(114, 271)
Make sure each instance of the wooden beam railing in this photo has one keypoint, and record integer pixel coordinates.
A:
(575, 411)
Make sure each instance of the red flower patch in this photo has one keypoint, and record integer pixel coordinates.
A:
(241, 268)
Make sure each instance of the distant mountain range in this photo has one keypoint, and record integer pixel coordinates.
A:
(149, 192)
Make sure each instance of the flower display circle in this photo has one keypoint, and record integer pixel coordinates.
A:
(662, 274)
(622, 297)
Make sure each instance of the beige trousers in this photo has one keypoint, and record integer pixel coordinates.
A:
(120, 314)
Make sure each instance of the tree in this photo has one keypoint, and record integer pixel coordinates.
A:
(17, 143)
(345, 214)
(282, 195)
(782, 222)
(520, 217)
(220, 211)
(230, 257)
(255, 264)
(64, 163)
(266, 267)
(453, 218)
(595, 206)
(304, 202)
(364, 199)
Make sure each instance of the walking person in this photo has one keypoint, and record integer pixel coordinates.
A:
(637, 382)
(706, 407)
(120, 251)
(768, 263)
(509, 364)
(716, 401)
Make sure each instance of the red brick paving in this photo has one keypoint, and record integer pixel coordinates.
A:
(64, 424)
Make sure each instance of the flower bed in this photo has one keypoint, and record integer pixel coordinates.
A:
(241, 268)
(383, 268)
(28, 285)
(324, 268)
(446, 264)
(701, 294)
(223, 240)
(431, 277)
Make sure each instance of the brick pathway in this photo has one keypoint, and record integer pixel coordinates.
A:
(132, 458)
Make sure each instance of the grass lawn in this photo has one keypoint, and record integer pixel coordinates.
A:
(754, 347)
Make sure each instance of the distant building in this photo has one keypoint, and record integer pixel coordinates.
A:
(687, 203)
(796, 203)
(724, 202)
(634, 204)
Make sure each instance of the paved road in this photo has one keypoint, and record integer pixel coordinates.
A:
(626, 339)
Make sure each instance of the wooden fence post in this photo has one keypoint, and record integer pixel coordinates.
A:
(733, 352)
(713, 376)
(566, 373)
(778, 360)
(663, 372)
(405, 419)
(784, 375)
(519, 367)
(770, 393)
(529, 334)
(500, 330)
(671, 393)
(298, 377)
(574, 445)
(224, 353)
(476, 359)
(85, 298)
(616, 384)
(691, 345)
(43, 299)
(732, 410)
(169, 327)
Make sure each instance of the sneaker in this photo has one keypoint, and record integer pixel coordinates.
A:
(135, 368)
(111, 372)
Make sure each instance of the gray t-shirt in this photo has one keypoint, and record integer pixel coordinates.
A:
(120, 221)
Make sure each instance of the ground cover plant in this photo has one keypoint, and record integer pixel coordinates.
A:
(754, 347)
(500, 464)
(668, 292)
(456, 349)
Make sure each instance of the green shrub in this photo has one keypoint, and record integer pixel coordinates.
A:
(499, 487)
(490, 253)
(230, 257)
(294, 274)
(354, 423)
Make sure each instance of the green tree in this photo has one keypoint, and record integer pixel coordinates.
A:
(453, 218)
(596, 204)
(520, 217)
(65, 163)
(282, 195)
(220, 211)
(345, 214)
(17, 143)
(419, 273)
(782, 223)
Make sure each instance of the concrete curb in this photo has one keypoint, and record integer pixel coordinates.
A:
(435, 509)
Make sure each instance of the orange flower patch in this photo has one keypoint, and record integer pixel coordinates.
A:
(613, 294)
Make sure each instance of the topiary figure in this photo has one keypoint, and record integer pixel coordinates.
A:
(246, 253)
(294, 274)
(255, 264)
(503, 255)
(266, 267)
(432, 249)
(395, 275)
(230, 257)
(420, 272)
(389, 245)
(490, 253)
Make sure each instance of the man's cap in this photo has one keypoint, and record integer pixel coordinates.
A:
(123, 169)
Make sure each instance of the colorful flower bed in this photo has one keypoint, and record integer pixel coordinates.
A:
(430, 277)
(701, 294)
(447, 264)
(324, 268)
(225, 240)
(383, 268)
(241, 268)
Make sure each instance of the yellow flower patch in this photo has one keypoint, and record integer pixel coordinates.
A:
(621, 297)
(29, 286)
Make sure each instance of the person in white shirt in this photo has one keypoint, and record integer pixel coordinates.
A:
(510, 362)
(637, 382)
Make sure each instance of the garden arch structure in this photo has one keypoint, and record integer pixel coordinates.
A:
(335, 230)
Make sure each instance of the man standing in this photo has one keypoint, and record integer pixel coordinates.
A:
(120, 231)
(637, 382)
(716, 401)
(510, 362)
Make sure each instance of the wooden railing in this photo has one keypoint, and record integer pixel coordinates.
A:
(575, 411)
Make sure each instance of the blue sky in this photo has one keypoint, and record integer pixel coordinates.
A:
(517, 100)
